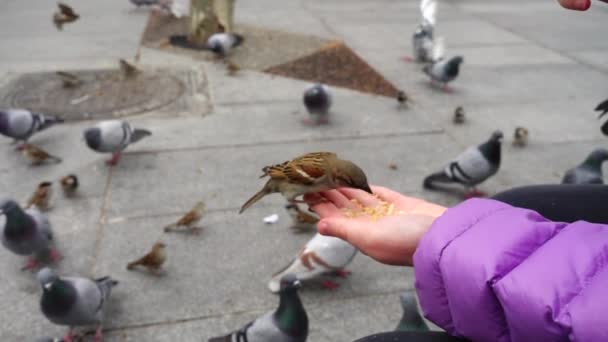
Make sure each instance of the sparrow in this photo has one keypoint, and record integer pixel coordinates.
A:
(520, 137)
(69, 80)
(232, 68)
(309, 173)
(69, 184)
(402, 98)
(222, 43)
(471, 167)
(302, 221)
(153, 260)
(189, 220)
(459, 116)
(128, 70)
(21, 124)
(65, 15)
(37, 156)
(74, 301)
(113, 136)
(318, 99)
(443, 70)
(589, 171)
(41, 197)
(288, 323)
(27, 232)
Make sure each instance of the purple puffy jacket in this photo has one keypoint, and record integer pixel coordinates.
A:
(492, 272)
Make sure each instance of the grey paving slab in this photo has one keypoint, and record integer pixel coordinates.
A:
(181, 178)
(240, 248)
(597, 58)
(510, 54)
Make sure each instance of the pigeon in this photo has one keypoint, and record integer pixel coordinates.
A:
(444, 70)
(74, 301)
(302, 221)
(411, 319)
(69, 184)
(189, 220)
(65, 15)
(317, 99)
(459, 116)
(473, 166)
(41, 198)
(21, 124)
(113, 136)
(422, 41)
(153, 260)
(222, 43)
(589, 171)
(520, 137)
(603, 108)
(321, 255)
(288, 323)
(27, 232)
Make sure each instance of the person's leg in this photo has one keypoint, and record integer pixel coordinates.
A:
(411, 336)
(561, 203)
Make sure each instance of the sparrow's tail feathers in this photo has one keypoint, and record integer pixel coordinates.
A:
(227, 338)
(139, 134)
(132, 264)
(170, 227)
(254, 199)
(55, 159)
(441, 177)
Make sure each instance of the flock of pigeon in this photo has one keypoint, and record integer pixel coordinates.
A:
(80, 301)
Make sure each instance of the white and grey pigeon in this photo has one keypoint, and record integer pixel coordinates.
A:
(27, 232)
(444, 70)
(411, 320)
(21, 124)
(422, 40)
(74, 301)
(222, 43)
(589, 171)
(288, 323)
(113, 136)
(318, 99)
(321, 255)
(471, 167)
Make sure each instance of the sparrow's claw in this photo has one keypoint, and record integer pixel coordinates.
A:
(330, 285)
(31, 265)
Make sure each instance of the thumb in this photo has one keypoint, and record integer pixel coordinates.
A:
(578, 5)
(339, 227)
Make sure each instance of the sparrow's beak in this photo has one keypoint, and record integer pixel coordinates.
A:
(367, 189)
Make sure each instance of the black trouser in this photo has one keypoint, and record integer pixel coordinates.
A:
(411, 336)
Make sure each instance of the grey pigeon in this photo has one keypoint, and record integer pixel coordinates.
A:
(27, 232)
(318, 99)
(113, 136)
(444, 70)
(422, 41)
(21, 124)
(321, 255)
(589, 171)
(74, 301)
(288, 323)
(411, 320)
(222, 43)
(471, 167)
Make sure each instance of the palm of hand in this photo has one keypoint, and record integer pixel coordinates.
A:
(389, 239)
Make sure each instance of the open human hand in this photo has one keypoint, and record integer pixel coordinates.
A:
(390, 239)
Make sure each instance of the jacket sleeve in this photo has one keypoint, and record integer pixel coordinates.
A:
(491, 272)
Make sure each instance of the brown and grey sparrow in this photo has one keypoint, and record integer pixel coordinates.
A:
(459, 116)
(232, 67)
(153, 260)
(520, 137)
(302, 221)
(41, 197)
(37, 156)
(69, 184)
(69, 80)
(128, 70)
(312, 172)
(189, 220)
(65, 15)
(402, 98)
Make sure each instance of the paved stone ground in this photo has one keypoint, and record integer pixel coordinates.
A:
(527, 62)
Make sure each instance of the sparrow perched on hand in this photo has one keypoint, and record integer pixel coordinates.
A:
(41, 197)
(189, 219)
(153, 260)
(69, 80)
(65, 15)
(520, 137)
(69, 184)
(459, 116)
(37, 156)
(302, 221)
(128, 70)
(309, 173)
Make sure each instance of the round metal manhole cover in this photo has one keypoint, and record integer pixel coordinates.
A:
(103, 94)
